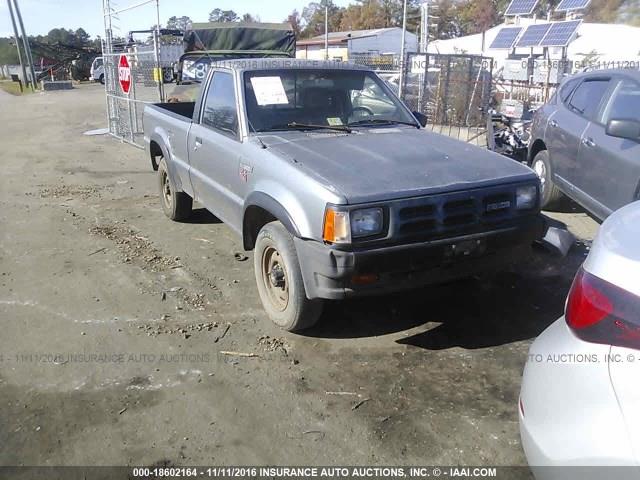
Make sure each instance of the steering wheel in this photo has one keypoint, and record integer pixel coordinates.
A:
(366, 112)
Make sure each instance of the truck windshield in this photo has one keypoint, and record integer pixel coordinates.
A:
(290, 99)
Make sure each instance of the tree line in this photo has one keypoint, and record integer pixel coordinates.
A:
(78, 38)
(451, 18)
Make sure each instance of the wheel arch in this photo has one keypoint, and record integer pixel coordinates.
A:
(259, 210)
(536, 148)
(155, 151)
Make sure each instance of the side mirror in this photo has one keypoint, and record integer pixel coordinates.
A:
(421, 118)
(624, 128)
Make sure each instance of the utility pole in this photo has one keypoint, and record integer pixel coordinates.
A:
(156, 47)
(326, 32)
(402, 49)
(15, 33)
(424, 27)
(27, 48)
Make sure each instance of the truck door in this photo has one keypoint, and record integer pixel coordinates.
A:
(214, 144)
(615, 159)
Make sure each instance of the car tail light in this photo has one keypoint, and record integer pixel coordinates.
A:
(600, 312)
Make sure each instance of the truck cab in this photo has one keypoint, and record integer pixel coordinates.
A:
(97, 70)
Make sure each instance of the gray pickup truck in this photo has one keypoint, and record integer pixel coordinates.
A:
(335, 185)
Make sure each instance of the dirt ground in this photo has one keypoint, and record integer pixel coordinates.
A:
(114, 320)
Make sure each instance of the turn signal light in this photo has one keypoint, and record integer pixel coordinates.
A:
(336, 226)
(364, 279)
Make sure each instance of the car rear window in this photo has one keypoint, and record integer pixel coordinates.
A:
(624, 102)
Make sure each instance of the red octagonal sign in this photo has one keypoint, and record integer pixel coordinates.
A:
(124, 74)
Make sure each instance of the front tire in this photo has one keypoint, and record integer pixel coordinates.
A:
(550, 194)
(279, 280)
(101, 80)
(175, 205)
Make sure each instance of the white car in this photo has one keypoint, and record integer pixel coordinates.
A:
(580, 399)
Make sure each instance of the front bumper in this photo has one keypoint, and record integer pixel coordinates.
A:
(331, 273)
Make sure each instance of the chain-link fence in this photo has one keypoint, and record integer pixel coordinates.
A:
(385, 65)
(453, 91)
(132, 60)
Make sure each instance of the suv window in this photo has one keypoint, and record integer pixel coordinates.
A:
(220, 112)
(567, 89)
(624, 102)
(587, 97)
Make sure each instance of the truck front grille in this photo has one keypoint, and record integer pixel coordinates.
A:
(443, 215)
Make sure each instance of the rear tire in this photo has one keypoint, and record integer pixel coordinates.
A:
(175, 204)
(550, 194)
(279, 280)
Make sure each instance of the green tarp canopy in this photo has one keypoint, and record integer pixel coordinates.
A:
(274, 37)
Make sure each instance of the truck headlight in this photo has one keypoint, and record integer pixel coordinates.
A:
(526, 197)
(341, 226)
(366, 222)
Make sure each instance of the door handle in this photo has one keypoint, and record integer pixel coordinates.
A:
(553, 123)
(198, 143)
(588, 141)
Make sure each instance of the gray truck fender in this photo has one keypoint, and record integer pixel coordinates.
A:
(158, 139)
(272, 206)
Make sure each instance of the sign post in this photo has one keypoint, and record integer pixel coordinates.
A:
(124, 74)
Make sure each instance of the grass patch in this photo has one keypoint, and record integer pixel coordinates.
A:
(14, 88)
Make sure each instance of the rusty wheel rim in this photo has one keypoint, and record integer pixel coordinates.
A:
(166, 189)
(275, 278)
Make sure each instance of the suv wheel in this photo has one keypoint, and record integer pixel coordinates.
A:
(279, 280)
(550, 193)
(176, 205)
(102, 79)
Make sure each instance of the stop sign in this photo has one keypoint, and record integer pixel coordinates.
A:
(124, 74)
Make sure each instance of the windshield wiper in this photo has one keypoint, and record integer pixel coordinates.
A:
(310, 126)
(381, 121)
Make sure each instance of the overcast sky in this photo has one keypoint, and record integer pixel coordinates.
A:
(40, 16)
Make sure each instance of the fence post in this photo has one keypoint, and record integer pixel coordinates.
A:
(445, 98)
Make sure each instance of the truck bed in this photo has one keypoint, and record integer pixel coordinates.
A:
(180, 109)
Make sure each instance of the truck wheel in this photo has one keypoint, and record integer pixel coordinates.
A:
(176, 205)
(102, 79)
(279, 280)
(167, 75)
(550, 193)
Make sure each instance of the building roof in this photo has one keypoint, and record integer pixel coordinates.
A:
(608, 42)
(341, 37)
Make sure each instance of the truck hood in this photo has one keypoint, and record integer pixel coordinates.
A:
(378, 164)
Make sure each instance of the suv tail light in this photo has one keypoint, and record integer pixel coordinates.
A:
(600, 312)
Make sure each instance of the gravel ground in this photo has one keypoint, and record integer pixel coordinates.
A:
(115, 322)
